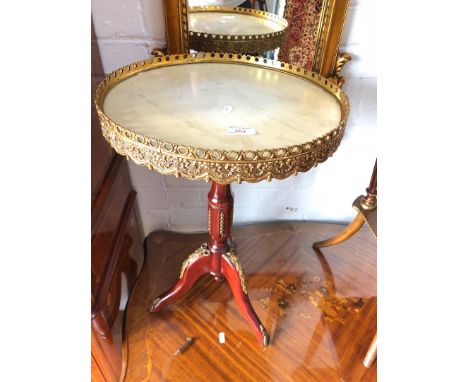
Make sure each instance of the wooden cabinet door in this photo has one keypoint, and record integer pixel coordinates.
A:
(116, 244)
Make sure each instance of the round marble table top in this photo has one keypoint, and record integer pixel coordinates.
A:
(230, 23)
(198, 104)
(240, 112)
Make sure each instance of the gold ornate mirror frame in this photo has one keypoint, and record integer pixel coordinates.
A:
(328, 61)
(240, 42)
(177, 33)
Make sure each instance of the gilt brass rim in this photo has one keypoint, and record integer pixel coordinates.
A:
(221, 166)
(237, 43)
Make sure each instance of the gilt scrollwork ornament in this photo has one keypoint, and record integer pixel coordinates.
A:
(234, 260)
(202, 251)
(342, 59)
(221, 224)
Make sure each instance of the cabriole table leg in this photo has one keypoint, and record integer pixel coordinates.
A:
(217, 258)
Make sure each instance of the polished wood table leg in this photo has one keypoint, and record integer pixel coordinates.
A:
(219, 259)
(366, 207)
(371, 353)
(349, 231)
(234, 274)
(196, 265)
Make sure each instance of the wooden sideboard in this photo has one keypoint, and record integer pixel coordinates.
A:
(116, 244)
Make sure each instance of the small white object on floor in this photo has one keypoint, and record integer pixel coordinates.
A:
(221, 338)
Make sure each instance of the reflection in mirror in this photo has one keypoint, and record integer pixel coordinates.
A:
(272, 6)
(253, 27)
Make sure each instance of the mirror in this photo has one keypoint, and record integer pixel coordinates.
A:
(254, 27)
(307, 33)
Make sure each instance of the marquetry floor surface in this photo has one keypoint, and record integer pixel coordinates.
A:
(319, 307)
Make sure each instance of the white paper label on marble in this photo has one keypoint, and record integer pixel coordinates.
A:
(227, 109)
(241, 131)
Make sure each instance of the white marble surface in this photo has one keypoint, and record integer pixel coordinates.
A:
(231, 23)
(187, 104)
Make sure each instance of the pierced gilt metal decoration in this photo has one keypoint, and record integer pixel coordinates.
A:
(234, 260)
(203, 41)
(202, 251)
(220, 166)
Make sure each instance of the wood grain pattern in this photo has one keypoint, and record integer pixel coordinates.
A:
(344, 235)
(116, 243)
(371, 353)
(319, 307)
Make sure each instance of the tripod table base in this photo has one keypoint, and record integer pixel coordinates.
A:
(199, 263)
(219, 259)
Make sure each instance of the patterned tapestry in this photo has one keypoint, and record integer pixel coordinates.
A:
(301, 39)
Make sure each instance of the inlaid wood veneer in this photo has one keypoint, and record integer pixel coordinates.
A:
(318, 306)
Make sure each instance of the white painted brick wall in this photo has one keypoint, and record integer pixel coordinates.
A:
(128, 30)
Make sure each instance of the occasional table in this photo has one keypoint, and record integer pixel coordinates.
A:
(221, 118)
(234, 29)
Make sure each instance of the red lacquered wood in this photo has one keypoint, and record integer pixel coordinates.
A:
(243, 302)
(220, 214)
(220, 208)
(192, 273)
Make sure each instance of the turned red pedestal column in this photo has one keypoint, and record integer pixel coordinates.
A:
(220, 214)
(219, 259)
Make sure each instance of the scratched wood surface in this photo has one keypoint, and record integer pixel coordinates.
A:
(319, 307)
